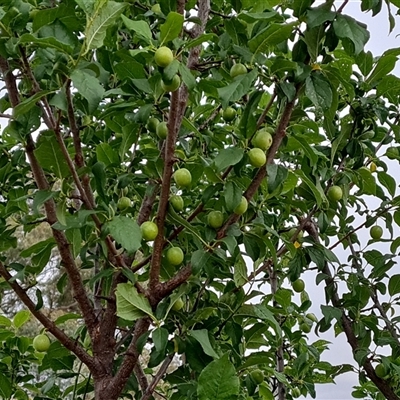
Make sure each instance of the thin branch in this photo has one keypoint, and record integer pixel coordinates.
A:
(381, 384)
(158, 377)
(262, 172)
(47, 113)
(50, 209)
(70, 344)
(130, 359)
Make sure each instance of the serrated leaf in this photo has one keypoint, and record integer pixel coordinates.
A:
(218, 381)
(126, 232)
(172, 27)
(141, 28)
(98, 23)
(266, 315)
(202, 337)
(89, 87)
(130, 304)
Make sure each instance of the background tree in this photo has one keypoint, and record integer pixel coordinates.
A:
(189, 162)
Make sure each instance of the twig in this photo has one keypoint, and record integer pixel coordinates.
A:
(157, 378)
(70, 344)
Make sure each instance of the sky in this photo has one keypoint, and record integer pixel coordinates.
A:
(340, 351)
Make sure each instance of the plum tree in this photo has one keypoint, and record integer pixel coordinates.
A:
(136, 215)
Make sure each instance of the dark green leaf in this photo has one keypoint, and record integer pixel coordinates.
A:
(227, 157)
(349, 29)
(132, 305)
(172, 27)
(202, 337)
(126, 232)
(319, 91)
(237, 89)
(394, 284)
(218, 380)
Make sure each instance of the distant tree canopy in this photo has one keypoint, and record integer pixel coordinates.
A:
(183, 165)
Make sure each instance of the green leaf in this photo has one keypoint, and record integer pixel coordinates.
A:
(98, 23)
(265, 392)
(319, 91)
(50, 156)
(199, 260)
(276, 174)
(227, 157)
(6, 389)
(367, 184)
(172, 27)
(202, 337)
(237, 89)
(130, 70)
(317, 192)
(266, 315)
(89, 87)
(233, 195)
(218, 381)
(308, 150)
(240, 271)
(187, 76)
(130, 304)
(126, 232)
(160, 339)
(301, 6)
(347, 28)
(21, 318)
(389, 87)
(205, 37)
(271, 36)
(394, 284)
(364, 61)
(107, 155)
(385, 64)
(48, 42)
(248, 122)
(388, 181)
(4, 321)
(141, 28)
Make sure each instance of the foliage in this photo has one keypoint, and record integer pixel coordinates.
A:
(83, 96)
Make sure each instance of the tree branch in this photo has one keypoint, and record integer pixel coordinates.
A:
(118, 382)
(157, 378)
(381, 384)
(70, 344)
(50, 209)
